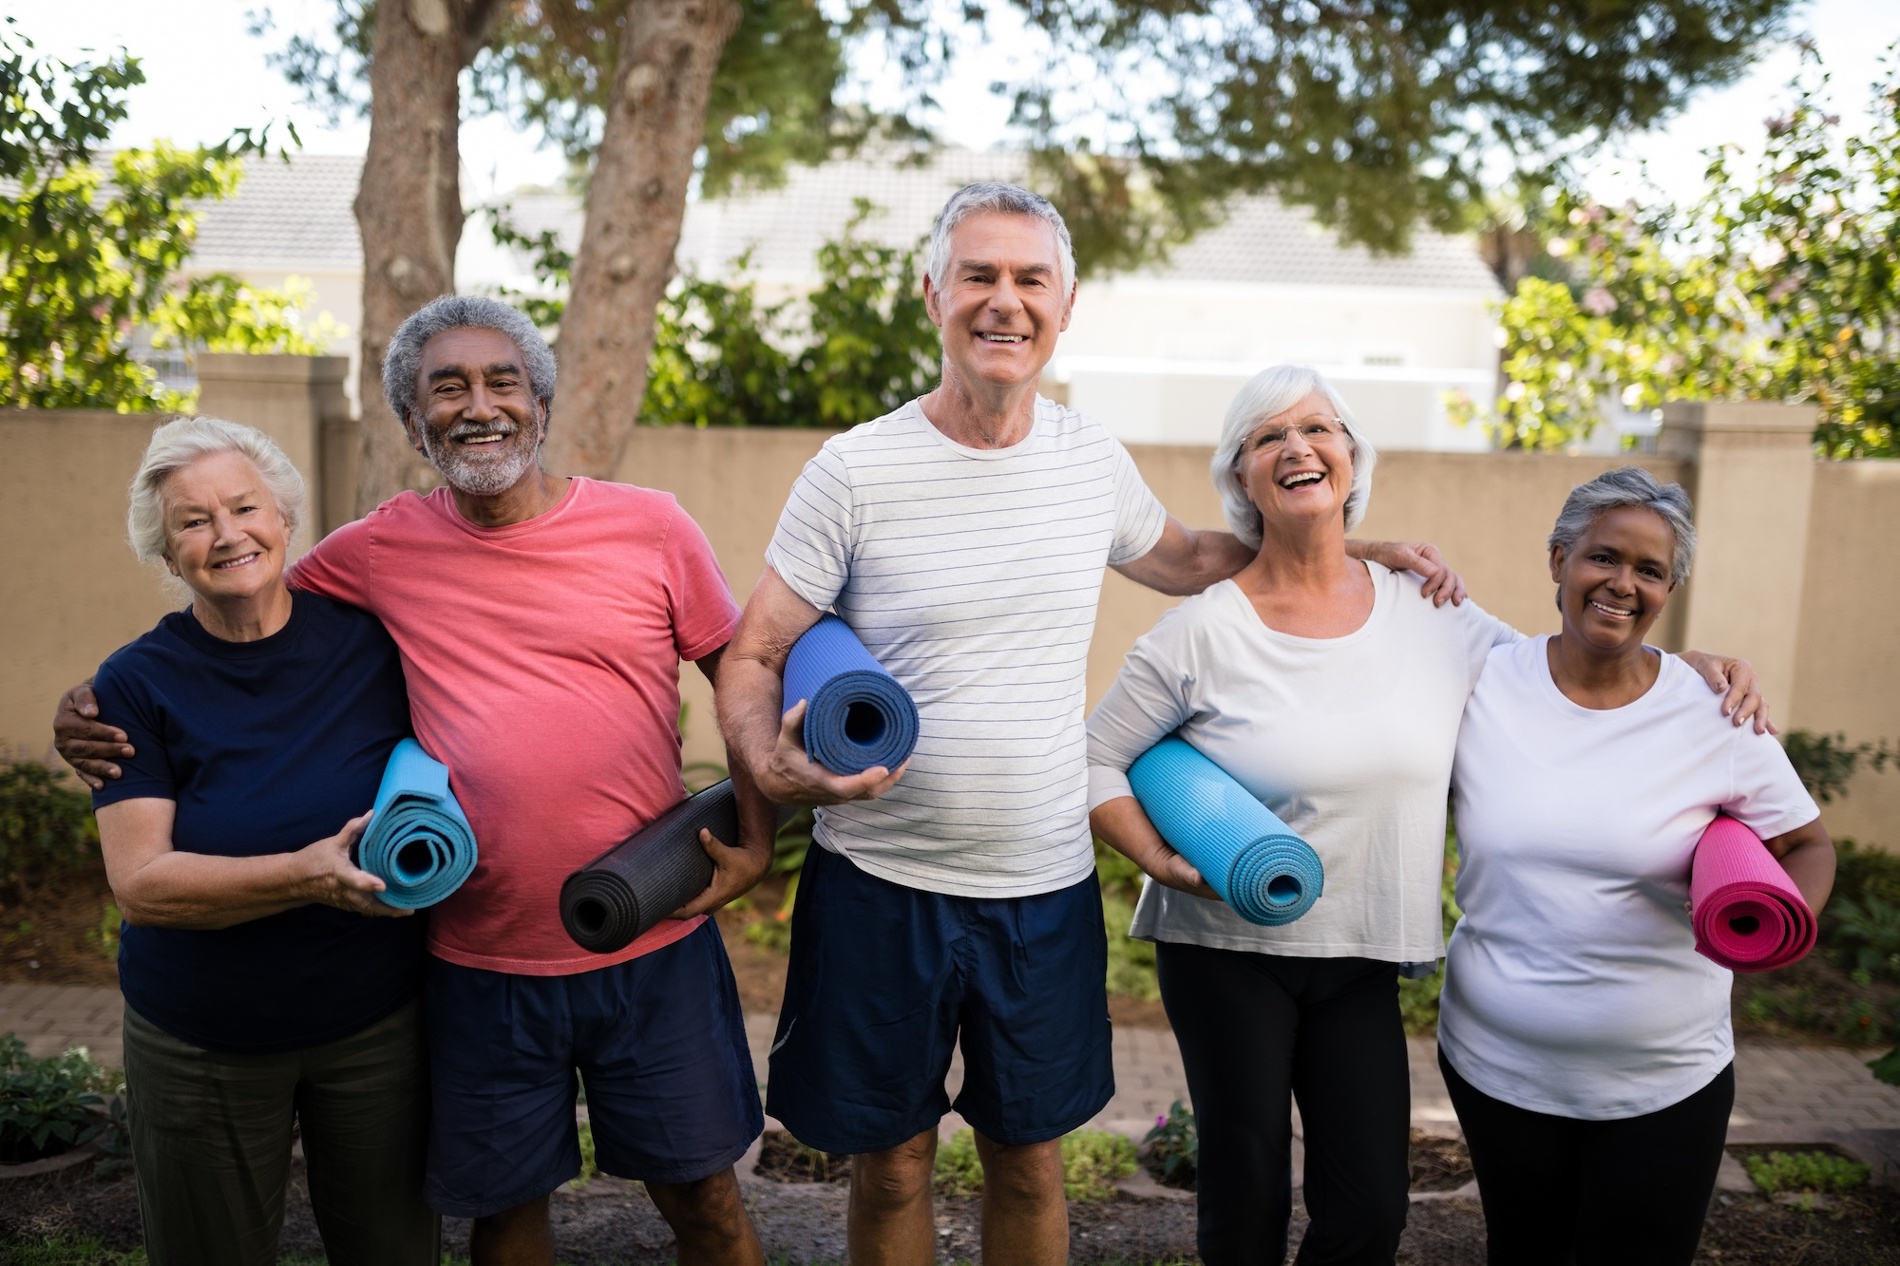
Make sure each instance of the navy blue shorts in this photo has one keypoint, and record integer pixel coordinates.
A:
(885, 981)
(660, 1042)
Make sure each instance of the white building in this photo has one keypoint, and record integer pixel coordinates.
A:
(1155, 355)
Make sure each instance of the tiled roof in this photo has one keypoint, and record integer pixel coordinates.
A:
(294, 215)
(299, 216)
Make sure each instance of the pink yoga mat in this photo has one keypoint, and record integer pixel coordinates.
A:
(1749, 916)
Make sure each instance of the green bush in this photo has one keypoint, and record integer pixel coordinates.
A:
(1131, 963)
(1825, 762)
(1172, 1150)
(46, 829)
(1092, 1162)
(958, 1172)
(1804, 1171)
(50, 1106)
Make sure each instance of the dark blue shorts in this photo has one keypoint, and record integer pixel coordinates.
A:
(886, 980)
(660, 1042)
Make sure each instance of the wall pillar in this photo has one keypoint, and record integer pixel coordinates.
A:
(1753, 488)
(292, 399)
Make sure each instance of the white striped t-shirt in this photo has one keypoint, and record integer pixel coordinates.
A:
(973, 576)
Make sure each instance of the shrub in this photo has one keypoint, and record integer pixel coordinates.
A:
(1825, 762)
(50, 1106)
(1804, 1171)
(1172, 1150)
(46, 829)
(1092, 1162)
(1131, 963)
(958, 1171)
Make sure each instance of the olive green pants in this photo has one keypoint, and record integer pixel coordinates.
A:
(211, 1140)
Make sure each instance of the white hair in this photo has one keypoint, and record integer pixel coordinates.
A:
(1634, 487)
(1000, 200)
(182, 441)
(1267, 394)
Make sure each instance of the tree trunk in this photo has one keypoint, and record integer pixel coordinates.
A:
(636, 200)
(409, 205)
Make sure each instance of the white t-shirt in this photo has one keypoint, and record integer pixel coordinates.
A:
(1348, 739)
(973, 576)
(1573, 987)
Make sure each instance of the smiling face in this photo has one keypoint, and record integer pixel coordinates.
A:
(1002, 304)
(479, 422)
(1297, 465)
(224, 535)
(1613, 583)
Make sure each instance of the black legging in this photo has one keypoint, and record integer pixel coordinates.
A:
(1255, 1029)
(1558, 1191)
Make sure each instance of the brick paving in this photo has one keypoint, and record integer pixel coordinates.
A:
(1785, 1092)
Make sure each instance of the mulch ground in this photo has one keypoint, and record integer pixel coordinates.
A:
(612, 1223)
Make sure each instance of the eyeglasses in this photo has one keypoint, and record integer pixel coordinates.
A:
(1315, 431)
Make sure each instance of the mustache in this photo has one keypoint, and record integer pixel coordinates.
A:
(462, 430)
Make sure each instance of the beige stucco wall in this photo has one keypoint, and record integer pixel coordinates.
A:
(1848, 667)
(74, 592)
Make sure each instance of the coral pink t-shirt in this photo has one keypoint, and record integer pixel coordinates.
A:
(542, 660)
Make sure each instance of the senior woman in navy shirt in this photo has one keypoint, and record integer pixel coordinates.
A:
(265, 983)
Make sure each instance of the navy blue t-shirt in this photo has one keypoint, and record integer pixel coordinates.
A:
(266, 747)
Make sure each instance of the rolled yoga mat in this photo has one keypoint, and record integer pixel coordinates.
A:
(1749, 916)
(608, 903)
(1269, 875)
(858, 715)
(419, 842)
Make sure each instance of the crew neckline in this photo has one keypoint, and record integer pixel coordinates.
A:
(1547, 683)
(1036, 428)
(201, 638)
(506, 530)
(1381, 603)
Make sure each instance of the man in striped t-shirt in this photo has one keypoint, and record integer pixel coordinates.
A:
(962, 538)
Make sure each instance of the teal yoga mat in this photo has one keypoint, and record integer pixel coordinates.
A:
(419, 842)
(1269, 875)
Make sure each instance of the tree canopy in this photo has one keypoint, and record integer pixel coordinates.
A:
(88, 255)
(1781, 283)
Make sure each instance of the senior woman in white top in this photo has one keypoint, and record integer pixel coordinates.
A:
(1585, 1043)
(1333, 694)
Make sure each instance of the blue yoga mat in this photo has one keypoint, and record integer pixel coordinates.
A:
(419, 842)
(858, 715)
(1269, 875)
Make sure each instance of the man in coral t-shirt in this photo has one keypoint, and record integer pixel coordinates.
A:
(541, 622)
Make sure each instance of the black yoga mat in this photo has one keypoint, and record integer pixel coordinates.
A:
(608, 903)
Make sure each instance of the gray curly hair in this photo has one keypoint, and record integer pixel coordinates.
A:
(182, 441)
(450, 312)
(1629, 486)
(1000, 199)
(1268, 393)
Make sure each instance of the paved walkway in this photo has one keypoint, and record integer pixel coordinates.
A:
(1784, 1092)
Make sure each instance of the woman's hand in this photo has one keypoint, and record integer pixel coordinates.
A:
(1126, 829)
(1734, 680)
(1441, 583)
(332, 879)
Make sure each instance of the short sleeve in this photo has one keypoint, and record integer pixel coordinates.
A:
(812, 546)
(704, 614)
(1139, 514)
(1150, 699)
(1483, 634)
(125, 701)
(338, 566)
(1766, 794)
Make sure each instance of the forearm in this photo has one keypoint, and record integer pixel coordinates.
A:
(1121, 824)
(197, 890)
(1811, 865)
(749, 708)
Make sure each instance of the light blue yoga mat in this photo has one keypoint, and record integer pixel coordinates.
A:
(419, 842)
(859, 716)
(1269, 875)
